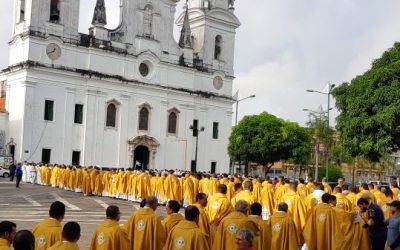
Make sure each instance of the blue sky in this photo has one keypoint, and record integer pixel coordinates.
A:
(285, 47)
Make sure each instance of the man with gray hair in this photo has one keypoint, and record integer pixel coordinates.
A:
(225, 237)
(244, 239)
(144, 227)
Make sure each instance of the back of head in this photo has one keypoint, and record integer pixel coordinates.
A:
(174, 206)
(283, 207)
(319, 186)
(337, 190)
(24, 240)
(151, 201)
(364, 186)
(200, 196)
(242, 206)
(192, 213)
(248, 185)
(57, 210)
(293, 186)
(7, 227)
(362, 201)
(143, 203)
(222, 188)
(256, 209)
(301, 180)
(326, 198)
(113, 213)
(238, 186)
(71, 231)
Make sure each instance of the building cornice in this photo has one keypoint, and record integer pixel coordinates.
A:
(101, 76)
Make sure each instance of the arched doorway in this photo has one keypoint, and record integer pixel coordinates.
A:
(141, 157)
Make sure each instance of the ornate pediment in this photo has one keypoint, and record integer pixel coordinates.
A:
(144, 140)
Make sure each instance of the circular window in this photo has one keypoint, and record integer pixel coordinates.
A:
(218, 82)
(144, 69)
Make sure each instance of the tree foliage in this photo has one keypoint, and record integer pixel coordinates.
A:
(369, 121)
(266, 139)
(335, 173)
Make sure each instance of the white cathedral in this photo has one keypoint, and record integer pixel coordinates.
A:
(125, 97)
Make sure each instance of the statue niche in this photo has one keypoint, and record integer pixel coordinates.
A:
(148, 21)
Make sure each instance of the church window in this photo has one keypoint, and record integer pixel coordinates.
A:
(78, 117)
(144, 119)
(46, 155)
(215, 130)
(218, 47)
(22, 11)
(48, 110)
(54, 11)
(172, 122)
(144, 69)
(111, 115)
(213, 167)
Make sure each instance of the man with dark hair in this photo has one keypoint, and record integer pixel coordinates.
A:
(8, 230)
(70, 235)
(364, 191)
(322, 229)
(24, 240)
(109, 235)
(173, 215)
(284, 234)
(245, 194)
(144, 227)
(374, 221)
(218, 207)
(265, 233)
(201, 203)
(186, 235)
(49, 231)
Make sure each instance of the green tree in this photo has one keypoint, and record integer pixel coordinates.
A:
(266, 139)
(369, 122)
(334, 173)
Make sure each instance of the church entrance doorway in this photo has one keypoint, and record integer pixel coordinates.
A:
(141, 157)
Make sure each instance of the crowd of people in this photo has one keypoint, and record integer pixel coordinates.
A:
(221, 211)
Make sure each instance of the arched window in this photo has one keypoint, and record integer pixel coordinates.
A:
(218, 47)
(172, 122)
(22, 11)
(144, 119)
(111, 115)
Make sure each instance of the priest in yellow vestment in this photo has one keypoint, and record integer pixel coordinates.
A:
(144, 227)
(109, 235)
(173, 216)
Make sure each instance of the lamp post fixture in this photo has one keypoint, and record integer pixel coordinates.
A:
(237, 106)
(236, 122)
(330, 88)
(196, 131)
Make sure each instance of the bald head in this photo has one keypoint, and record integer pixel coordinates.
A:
(248, 185)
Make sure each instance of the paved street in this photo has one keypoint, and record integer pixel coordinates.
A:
(30, 204)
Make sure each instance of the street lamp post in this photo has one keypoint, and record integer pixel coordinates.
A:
(196, 131)
(330, 88)
(236, 122)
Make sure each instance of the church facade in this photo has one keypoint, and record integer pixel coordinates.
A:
(127, 97)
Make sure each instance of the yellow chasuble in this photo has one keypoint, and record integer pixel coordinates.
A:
(267, 200)
(172, 188)
(203, 223)
(347, 226)
(195, 184)
(93, 178)
(145, 230)
(213, 186)
(279, 193)
(245, 195)
(186, 235)
(343, 203)
(188, 192)
(109, 236)
(64, 245)
(396, 193)
(302, 190)
(86, 183)
(170, 221)
(284, 233)
(5, 244)
(327, 188)
(257, 188)
(322, 230)
(47, 233)
(143, 186)
(264, 240)
(310, 186)
(230, 190)
(203, 186)
(382, 203)
(225, 237)
(218, 207)
(362, 193)
(78, 180)
(361, 239)
(160, 193)
(296, 209)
